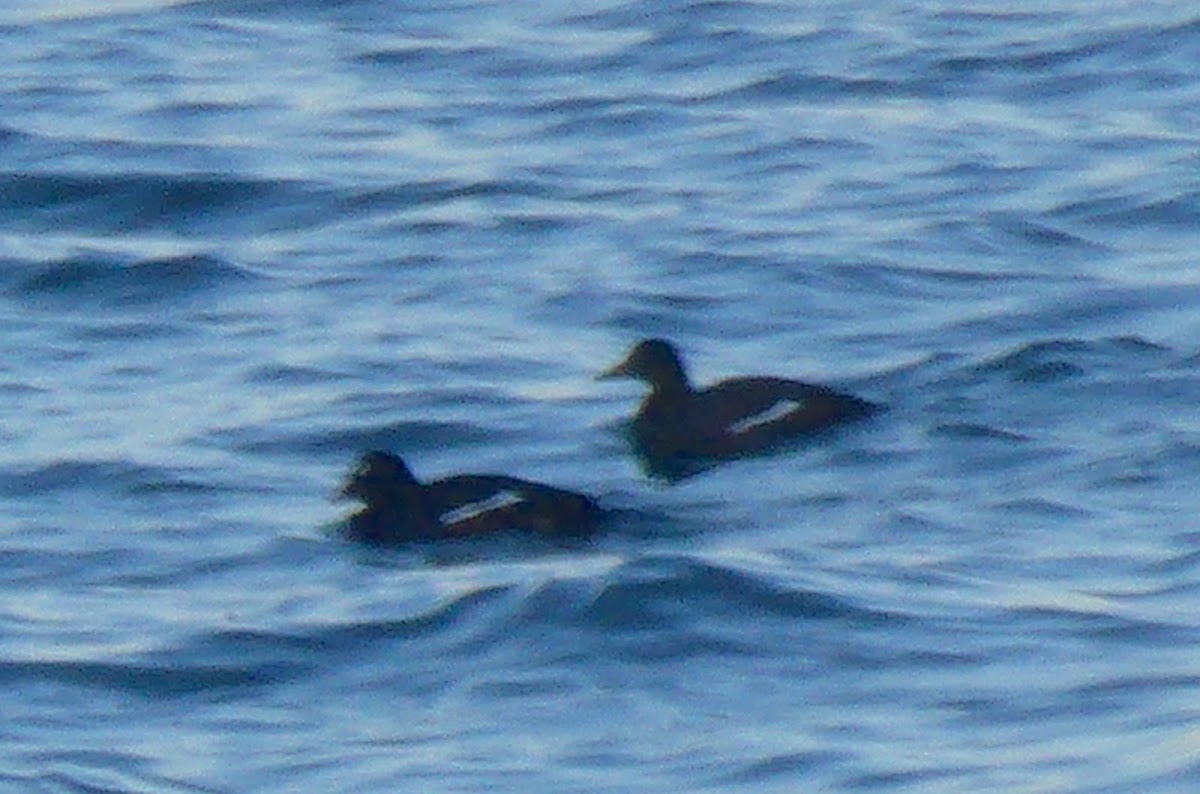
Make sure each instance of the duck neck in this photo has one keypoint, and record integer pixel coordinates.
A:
(671, 385)
(420, 512)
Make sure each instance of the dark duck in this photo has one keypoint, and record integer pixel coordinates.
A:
(680, 429)
(397, 508)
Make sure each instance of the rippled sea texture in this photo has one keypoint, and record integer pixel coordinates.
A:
(243, 242)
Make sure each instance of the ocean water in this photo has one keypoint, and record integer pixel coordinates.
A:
(242, 242)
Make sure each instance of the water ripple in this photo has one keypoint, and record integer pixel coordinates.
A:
(101, 280)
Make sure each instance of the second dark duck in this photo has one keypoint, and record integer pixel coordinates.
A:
(678, 427)
(397, 508)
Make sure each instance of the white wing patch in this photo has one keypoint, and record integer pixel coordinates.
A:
(496, 501)
(773, 413)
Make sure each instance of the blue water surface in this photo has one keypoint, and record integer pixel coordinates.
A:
(244, 241)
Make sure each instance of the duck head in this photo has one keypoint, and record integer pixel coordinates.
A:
(653, 361)
(379, 476)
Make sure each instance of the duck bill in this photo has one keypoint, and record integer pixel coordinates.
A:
(616, 373)
(347, 492)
